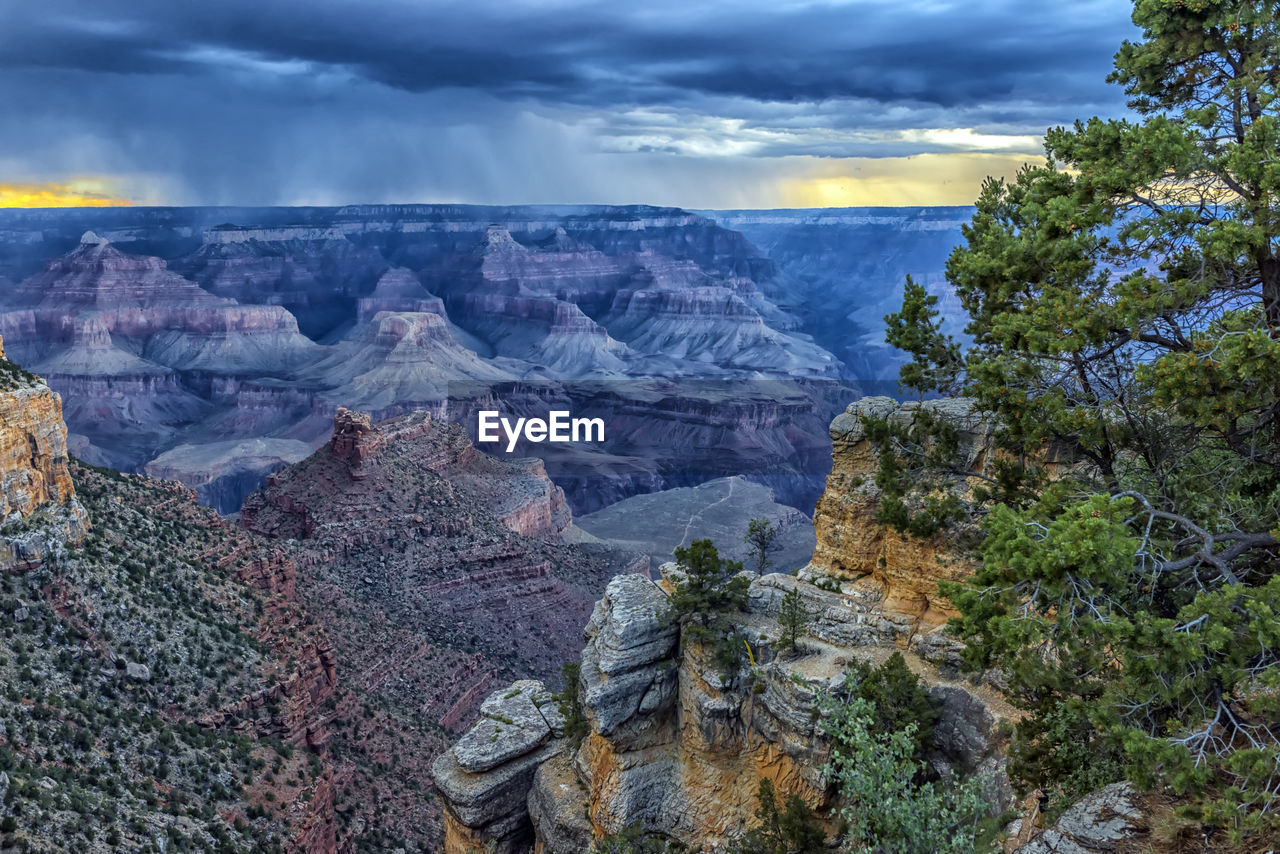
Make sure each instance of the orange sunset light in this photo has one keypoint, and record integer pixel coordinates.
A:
(80, 193)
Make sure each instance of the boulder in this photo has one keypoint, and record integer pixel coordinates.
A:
(1099, 822)
(511, 724)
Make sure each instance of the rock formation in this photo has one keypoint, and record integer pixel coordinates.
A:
(397, 363)
(172, 361)
(138, 297)
(679, 749)
(855, 550)
(315, 273)
(674, 748)
(131, 346)
(398, 290)
(714, 325)
(1107, 820)
(39, 513)
(437, 572)
(486, 775)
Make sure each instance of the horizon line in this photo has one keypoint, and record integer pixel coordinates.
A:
(119, 207)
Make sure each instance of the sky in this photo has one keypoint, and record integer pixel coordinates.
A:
(694, 103)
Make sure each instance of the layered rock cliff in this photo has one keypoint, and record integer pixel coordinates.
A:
(438, 574)
(39, 512)
(857, 551)
(180, 337)
(133, 345)
(675, 748)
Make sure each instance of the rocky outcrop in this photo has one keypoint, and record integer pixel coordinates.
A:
(552, 334)
(516, 492)
(136, 297)
(485, 777)
(39, 513)
(678, 750)
(1101, 822)
(354, 439)
(856, 550)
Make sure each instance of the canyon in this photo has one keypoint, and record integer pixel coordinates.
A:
(214, 345)
(395, 597)
(363, 659)
(675, 748)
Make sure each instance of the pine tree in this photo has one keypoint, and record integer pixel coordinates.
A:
(704, 601)
(1124, 308)
(761, 538)
(793, 617)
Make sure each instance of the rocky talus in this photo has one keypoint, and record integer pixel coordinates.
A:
(164, 690)
(39, 512)
(438, 573)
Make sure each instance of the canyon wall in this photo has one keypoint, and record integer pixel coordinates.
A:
(214, 345)
(438, 573)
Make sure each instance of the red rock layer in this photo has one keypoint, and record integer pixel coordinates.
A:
(409, 555)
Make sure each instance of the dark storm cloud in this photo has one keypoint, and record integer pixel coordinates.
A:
(601, 54)
(255, 100)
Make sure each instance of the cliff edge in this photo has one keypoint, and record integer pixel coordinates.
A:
(39, 513)
(865, 557)
(677, 750)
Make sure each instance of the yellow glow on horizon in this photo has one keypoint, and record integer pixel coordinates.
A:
(922, 179)
(79, 193)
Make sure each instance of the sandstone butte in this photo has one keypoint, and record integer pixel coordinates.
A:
(675, 750)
